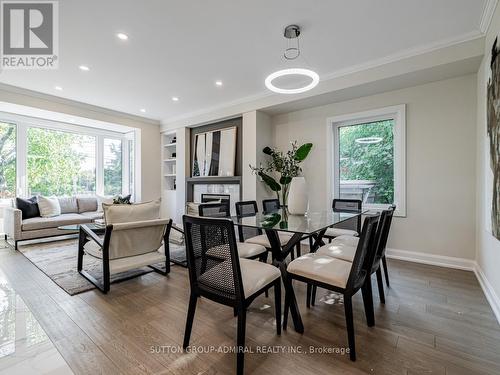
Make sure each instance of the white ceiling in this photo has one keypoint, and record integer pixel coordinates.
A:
(179, 48)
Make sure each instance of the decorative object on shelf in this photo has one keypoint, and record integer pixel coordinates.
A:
(297, 196)
(493, 125)
(292, 52)
(215, 153)
(174, 140)
(287, 165)
(174, 155)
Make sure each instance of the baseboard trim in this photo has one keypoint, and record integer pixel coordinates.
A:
(451, 262)
(489, 292)
(432, 259)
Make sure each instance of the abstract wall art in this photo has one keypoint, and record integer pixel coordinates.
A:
(493, 124)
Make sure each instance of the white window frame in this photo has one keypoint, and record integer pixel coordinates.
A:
(24, 122)
(398, 114)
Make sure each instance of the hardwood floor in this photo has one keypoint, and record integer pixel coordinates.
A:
(435, 321)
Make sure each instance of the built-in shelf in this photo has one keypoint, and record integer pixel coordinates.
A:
(170, 144)
(170, 175)
(214, 179)
(171, 159)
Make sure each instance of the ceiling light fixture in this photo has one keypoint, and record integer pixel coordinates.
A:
(142, 110)
(122, 36)
(58, 88)
(292, 52)
(218, 83)
(85, 68)
(368, 140)
(175, 98)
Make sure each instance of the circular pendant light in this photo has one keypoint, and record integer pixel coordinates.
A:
(292, 72)
(292, 52)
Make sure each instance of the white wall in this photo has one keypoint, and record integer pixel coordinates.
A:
(441, 119)
(488, 247)
(150, 132)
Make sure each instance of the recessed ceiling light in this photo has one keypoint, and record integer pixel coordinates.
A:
(175, 98)
(143, 110)
(85, 68)
(218, 83)
(58, 88)
(122, 36)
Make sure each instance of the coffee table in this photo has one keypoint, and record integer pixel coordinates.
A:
(98, 229)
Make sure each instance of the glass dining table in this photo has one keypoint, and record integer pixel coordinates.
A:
(313, 224)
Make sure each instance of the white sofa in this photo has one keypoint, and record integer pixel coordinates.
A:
(74, 210)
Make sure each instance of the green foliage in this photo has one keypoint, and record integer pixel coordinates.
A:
(113, 167)
(303, 151)
(286, 165)
(56, 163)
(7, 161)
(369, 161)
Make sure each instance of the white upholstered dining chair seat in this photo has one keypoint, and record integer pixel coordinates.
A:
(127, 263)
(255, 275)
(245, 250)
(322, 268)
(264, 241)
(335, 232)
(338, 250)
(346, 240)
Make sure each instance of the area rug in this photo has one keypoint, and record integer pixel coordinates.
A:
(57, 259)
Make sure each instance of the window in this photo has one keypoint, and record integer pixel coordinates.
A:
(368, 158)
(112, 166)
(60, 163)
(7, 160)
(45, 157)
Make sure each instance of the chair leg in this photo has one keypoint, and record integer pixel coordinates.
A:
(297, 247)
(288, 283)
(367, 293)
(5, 237)
(308, 295)
(386, 272)
(380, 283)
(350, 326)
(189, 321)
(277, 304)
(313, 295)
(240, 344)
(263, 259)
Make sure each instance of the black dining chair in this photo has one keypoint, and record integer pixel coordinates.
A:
(245, 249)
(270, 205)
(340, 276)
(344, 247)
(218, 274)
(349, 227)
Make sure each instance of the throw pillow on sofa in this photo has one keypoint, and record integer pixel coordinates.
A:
(28, 207)
(101, 200)
(122, 200)
(68, 205)
(49, 207)
(86, 204)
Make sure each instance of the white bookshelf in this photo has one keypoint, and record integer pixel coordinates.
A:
(169, 158)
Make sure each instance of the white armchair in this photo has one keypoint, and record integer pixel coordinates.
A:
(126, 244)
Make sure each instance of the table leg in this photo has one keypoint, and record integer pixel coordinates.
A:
(279, 255)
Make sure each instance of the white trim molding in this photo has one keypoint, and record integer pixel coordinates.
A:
(488, 11)
(398, 114)
(432, 259)
(489, 292)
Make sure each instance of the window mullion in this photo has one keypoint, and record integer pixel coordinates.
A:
(100, 165)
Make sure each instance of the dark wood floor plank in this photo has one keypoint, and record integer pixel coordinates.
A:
(435, 321)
